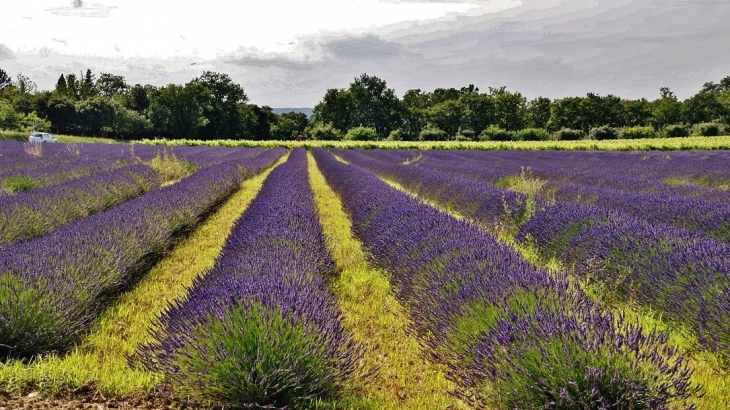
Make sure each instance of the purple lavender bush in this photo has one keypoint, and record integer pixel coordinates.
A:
(260, 329)
(53, 287)
(512, 336)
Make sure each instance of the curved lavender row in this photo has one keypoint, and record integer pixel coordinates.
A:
(482, 202)
(45, 209)
(683, 274)
(272, 271)
(53, 287)
(494, 319)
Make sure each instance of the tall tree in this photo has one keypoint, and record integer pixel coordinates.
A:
(176, 110)
(336, 108)
(5, 79)
(220, 100)
(375, 105)
(110, 85)
(88, 85)
(509, 108)
(538, 112)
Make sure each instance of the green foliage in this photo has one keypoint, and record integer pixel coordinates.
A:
(538, 112)
(19, 183)
(708, 129)
(324, 132)
(9, 119)
(638, 132)
(277, 362)
(177, 110)
(532, 134)
(361, 134)
(567, 134)
(219, 98)
(466, 135)
(431, 133)
(675, 131)
(395, 135)
(284, 129)
(495, 133)
(32, 121)
(603, 133)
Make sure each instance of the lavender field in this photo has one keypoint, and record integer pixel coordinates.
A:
(212, 277)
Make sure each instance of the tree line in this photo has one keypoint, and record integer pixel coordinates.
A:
(213, 106)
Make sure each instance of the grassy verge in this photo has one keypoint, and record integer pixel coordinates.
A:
(707, 368)
(404, 379)
(100, 357)
(687, 143)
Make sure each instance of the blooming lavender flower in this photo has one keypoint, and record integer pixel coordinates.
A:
(260, 329)
(54, 286)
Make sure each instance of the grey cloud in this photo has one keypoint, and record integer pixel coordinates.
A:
(554, 48)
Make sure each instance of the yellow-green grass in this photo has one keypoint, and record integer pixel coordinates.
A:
(708, 370)
(100, 356)
(686, 143)
(404, 380)
(23, 136)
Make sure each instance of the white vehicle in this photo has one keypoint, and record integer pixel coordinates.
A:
(41, 137)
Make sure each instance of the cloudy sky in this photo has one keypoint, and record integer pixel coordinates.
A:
(286, 53)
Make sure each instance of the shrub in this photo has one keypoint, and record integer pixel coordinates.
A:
(361, 134)
(325, 132)
(395, 135)
(532, 134)
(466, 135)
(432, 134)
(638, 132)
(567, 134)
(494, 133)
(19, 183)
(708, 129)
(676, 131)
(603, 133)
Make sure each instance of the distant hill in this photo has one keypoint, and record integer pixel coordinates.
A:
(306, 111)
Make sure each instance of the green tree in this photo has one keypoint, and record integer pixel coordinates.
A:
(446, 116)
(637, 112)
(110, 85)
(666, 110)
(538, 112)
(362, 134)
(375, 105)
(175, 111)
(5, 79)
(220, 100)
(9, 119)
(138, 97)
(509, 108)
(478, 111)
(96, 116)
(704, 107)
(566, 113)
(61, 113)
(299, 118)
(415, 105)
(88, 85)
(284, 129)
(336, 109)
(598, 111)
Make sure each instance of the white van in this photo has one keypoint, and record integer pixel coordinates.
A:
(41, 137)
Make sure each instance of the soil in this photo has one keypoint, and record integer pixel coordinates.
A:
(87, 397)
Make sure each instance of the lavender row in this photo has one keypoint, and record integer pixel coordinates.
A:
(53, 287)
(511, 335)
(260, 330)
(43, 210)
(654, 172)
(485, 203)
(682, 274)
(693, 214)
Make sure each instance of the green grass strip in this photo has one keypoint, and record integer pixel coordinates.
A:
(404, 380)
(100, 357)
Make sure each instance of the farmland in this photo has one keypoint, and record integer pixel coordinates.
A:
(150, 276)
